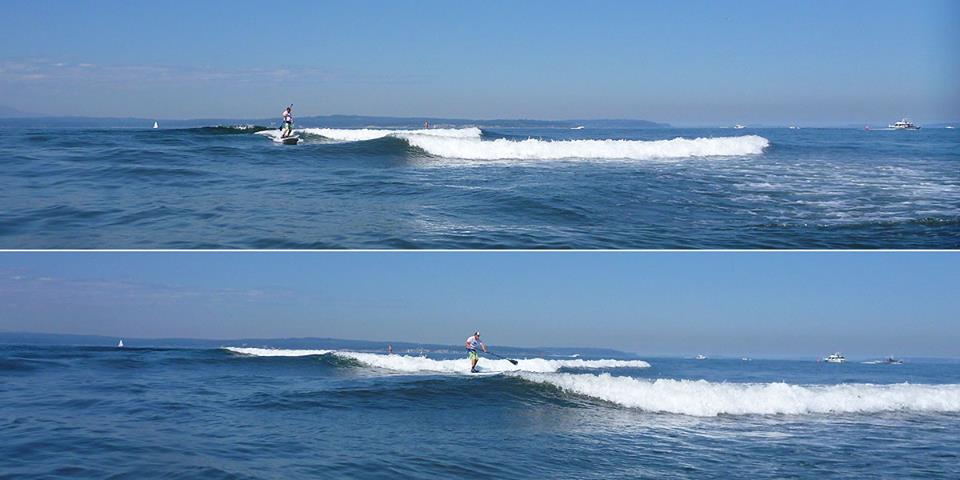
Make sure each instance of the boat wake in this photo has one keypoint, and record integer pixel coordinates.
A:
(470, 144)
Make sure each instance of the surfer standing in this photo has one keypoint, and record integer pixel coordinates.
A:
(472, 342)
(287, 122)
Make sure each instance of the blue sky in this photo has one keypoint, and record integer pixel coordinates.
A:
(752, 303)
(686, 62)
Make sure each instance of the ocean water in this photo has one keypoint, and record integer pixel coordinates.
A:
(93, 412)
(479, 188)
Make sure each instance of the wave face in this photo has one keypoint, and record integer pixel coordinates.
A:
(415, 364)
(468, 144)
(707, 399)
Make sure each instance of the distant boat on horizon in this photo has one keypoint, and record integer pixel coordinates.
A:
(120, 344)
(739, 127)
(835, 358)
(701, 357)
(156, 125)
(904, 125)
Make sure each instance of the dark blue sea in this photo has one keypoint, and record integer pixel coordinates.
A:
(481, 188)
(95, 412)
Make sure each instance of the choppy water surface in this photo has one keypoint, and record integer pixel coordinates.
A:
(258, 413)
(480, 188)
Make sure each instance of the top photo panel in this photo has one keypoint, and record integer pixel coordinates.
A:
(741, 124)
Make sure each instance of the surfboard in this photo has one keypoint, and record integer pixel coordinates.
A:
(484, 374)
(291, 140)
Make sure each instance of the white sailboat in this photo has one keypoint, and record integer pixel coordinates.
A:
(120, 345)
(156, 125)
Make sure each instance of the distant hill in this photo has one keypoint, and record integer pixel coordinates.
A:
(10, 112)
(335, 121)
(27, 338)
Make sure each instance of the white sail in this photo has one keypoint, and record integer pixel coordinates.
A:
(120, 345)
(156, 125)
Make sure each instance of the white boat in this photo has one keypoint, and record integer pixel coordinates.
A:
(156, 125)
(701, 357)
(893, 361)
(903, 125)
(794, 127)
(578, 127)
(120, 345)
(949, 127)
(739, 127)
(835, 358)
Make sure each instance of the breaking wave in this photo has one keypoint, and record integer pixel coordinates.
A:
(364, 134)
(230, 129)
(469, 144)
(416, 364)
(706, 399)
(534, 149)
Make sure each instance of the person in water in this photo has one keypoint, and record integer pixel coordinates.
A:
(472, 342)
(287, 122)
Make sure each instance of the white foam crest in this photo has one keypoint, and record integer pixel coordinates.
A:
(534, 149)
(416, 364)
(364, 134)
(275, 352)
(702, 398)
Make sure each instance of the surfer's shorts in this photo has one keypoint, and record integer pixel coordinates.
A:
(473, 355)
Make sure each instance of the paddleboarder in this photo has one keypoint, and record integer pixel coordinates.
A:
(287, 122)
(472, 342)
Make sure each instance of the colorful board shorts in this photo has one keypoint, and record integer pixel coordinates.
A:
(473, 355)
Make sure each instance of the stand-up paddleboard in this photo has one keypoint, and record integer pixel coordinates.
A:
(291, 140)
(483, 373)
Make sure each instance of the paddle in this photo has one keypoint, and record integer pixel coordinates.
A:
(507, 359)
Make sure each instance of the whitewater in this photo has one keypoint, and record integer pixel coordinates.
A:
(702, 398)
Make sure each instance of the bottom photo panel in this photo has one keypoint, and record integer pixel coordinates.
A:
(479, 365)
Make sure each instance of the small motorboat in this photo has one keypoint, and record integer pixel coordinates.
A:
(835, 358)
(904, 125)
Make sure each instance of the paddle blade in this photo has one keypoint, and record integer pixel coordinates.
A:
(513, 361)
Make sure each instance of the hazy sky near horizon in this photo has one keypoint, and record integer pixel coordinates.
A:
(750, 303)
(685, 62)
